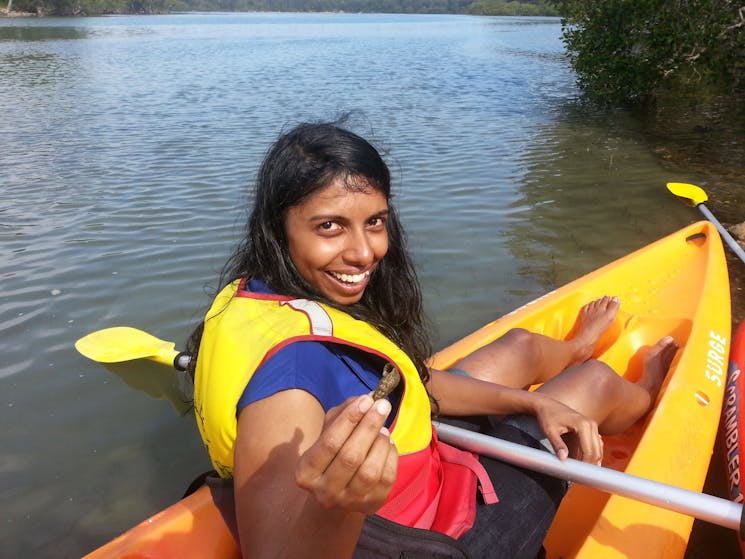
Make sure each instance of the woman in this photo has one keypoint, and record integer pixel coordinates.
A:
(317, 299)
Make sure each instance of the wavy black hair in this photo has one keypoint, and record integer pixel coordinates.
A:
(301, 162)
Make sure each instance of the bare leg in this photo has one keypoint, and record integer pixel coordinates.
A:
(521, 358)
(594, 390)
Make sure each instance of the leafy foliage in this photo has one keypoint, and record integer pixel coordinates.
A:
(91, 7)
(366, 6)
(512, 8)
(484, 7)
(636, 50)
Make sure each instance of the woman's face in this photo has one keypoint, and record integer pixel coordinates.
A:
(337, 237)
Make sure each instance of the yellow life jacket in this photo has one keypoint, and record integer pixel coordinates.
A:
(243, 329)
(435, 484)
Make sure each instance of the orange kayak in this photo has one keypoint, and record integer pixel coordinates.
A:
(676, 286)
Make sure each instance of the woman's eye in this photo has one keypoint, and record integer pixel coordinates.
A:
(376, 222)
(328, 226)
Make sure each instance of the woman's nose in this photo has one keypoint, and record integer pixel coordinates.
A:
(359, 249)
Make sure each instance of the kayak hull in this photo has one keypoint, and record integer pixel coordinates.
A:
(732, 429)
(677, 286)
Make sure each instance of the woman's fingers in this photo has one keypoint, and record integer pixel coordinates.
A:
(353, 463)
(590, 442)
(354, 478)
(358, 444)
(377, 473)
(571, 434)
(583, 442)
(335, 412)
(557, 442)
(338, 426)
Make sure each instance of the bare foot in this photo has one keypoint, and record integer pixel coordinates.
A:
(593, 321)
(656, 364)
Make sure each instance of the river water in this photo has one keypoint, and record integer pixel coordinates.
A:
(126, 144)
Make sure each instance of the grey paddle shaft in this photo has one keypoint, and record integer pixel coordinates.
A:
(699, 505)
(736, 248)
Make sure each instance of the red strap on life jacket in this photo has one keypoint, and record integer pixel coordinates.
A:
(436, 490)
(470, 460)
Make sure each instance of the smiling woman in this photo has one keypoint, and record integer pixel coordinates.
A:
(319, 302)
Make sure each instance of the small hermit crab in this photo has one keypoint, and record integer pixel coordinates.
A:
(388, 382)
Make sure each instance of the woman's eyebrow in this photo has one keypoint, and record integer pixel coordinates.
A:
(326, 217)
(384, 211)
(335, 217)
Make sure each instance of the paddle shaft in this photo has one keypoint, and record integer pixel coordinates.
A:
(736, 248)
(699, 505)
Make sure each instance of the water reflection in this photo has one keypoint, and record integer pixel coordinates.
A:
(34, 69)
(34, 33)
(157, 381)
(567, 221)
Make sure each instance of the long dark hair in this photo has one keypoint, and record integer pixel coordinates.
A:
(301, 162)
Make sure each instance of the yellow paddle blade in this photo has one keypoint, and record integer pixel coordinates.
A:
(691, 193)
(122, 343)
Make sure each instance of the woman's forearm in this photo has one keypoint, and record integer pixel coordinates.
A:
(319, 533)
(303, 476)
(457, 396)
(295, 525)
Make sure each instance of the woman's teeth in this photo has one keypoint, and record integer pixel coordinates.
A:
(350, 278)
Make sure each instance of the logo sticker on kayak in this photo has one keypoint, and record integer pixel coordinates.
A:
(731, 432)
(716, 358)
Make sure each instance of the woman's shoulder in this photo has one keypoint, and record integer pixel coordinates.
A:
(303, 355)
(319, 358)
(330, 372)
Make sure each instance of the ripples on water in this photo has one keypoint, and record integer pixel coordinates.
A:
(127, 144)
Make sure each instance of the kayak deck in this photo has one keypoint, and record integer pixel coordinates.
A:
(677, 286)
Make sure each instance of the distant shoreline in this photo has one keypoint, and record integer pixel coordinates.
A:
(13, 13)
(83, 10)
(41, 13)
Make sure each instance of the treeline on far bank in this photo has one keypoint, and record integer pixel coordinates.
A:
(103, 7)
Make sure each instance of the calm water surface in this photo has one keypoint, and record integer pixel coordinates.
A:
(126, 145)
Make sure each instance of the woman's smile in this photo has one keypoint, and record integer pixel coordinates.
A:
(337, 237)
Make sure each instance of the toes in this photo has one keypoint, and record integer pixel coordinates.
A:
(611, 303)
(667, 344)
(665, 350)
(604, 304)
(669, 350)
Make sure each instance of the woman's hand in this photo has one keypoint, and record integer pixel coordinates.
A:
(569, 432)
(353, 463)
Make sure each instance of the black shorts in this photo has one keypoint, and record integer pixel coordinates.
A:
(516, 526)
(513, 528)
